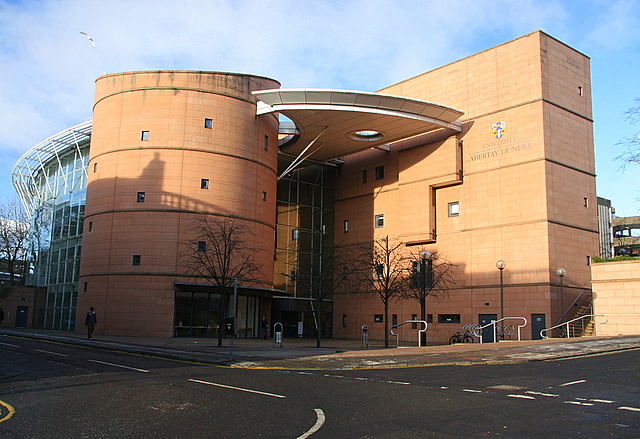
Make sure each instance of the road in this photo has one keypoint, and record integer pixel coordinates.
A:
(55, 390)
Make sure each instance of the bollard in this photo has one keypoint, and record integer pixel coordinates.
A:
(277, 334)
(365, 337)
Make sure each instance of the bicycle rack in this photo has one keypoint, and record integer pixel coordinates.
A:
(478, 329)
(420, 331)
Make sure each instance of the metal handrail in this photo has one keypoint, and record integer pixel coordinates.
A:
(573, 320)
(420, 331)
(566, 311)
(478, 329)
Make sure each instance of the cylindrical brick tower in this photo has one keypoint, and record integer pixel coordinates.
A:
(168, 147)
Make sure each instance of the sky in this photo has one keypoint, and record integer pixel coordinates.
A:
(48, 68)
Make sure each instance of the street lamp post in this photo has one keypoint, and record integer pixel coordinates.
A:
(561, 272)
(501, 266)
(424, 255)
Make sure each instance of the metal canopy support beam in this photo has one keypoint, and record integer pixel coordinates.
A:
(302, 156)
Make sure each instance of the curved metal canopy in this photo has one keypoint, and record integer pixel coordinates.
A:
(335, 123)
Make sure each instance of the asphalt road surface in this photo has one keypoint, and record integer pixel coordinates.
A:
(54, 390)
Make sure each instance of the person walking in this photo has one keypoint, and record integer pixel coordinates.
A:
(91, 320)
(265, 328)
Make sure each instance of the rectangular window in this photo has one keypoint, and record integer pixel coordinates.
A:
(379, 268)
(264, 196)
(454, 209)
(364, 176)
(345, 272)
(84, 288)
(136, 259)
(294, 234)
(208, 123)
(266, 143)
(379, 221)
(141, 197)
(91, 226)
(204, 183)
(379, 172)
(448, 318)
(394, 319)
(202, 246)
(145, 135)
(345, 227)
(95, 167)
(414, 325)
(378, 318)
(344, 320)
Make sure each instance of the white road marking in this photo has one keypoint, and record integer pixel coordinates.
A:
(119, 365)
(520, 396)
(11, 345)
(631, 409)
(602, 401)
(472, 391)
(578, 403)
(572, 383)
(398, 382)
(52, 353)
(320, 418)
(237, 388)
(548, 395)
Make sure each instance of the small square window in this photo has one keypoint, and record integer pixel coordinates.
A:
(208, 123)
(364, 176)
(345, 226)
(379, 270)
(204, 183)
(378, 318)
(136, 259)
(145, 135)
(454, 208)
(202, 246)
(141, 197)
(379, 172)
(266, 143)
(379, 221)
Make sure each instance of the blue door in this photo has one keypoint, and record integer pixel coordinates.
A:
(487, 333)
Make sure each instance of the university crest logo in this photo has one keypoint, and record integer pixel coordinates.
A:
(499, 129)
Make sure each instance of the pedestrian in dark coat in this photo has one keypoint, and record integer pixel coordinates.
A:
(91, 320)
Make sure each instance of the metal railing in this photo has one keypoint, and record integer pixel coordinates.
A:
(567, 329)
(587, 297)
(420, 331)
(477, 331)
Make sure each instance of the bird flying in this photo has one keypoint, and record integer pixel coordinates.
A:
(89, 38)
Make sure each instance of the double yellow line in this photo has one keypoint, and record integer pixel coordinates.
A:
(10, 409)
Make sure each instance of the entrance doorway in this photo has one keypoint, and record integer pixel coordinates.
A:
(21, 316)
(487, 333)
(538, 323)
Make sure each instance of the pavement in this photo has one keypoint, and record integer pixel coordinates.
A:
(336, 354)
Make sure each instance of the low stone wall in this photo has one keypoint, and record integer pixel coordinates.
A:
(617, 295)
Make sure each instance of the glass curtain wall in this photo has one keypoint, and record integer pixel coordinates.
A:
(304, 241)
(51, 180)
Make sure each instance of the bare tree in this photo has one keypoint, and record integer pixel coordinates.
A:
(631, 144)
(14, 239)
(431, 276)
(219, 254)
(382, 267)
(318, 273)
